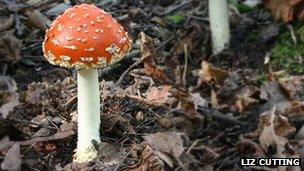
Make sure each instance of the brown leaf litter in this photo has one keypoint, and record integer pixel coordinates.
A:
(286, 10)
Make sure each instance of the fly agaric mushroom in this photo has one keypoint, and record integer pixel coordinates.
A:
(219, 24)
(86, 38)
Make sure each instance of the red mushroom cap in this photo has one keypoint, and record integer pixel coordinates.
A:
(85, 36)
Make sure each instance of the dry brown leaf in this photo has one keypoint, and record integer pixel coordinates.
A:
(4, 142)
(148, 56)
(35, 93)
(210, 74)
(12, 160)
(37, 19)
(10, 98)
(158, 95)
(6, 23)
(188, 101)
(272, 130)
(273, 93)
(245, 99)
(166, 142)
(149, 161)
(286, 10)
(168, 146)
(9, 47)
(115, 122)
(250, 149)
(293, 86)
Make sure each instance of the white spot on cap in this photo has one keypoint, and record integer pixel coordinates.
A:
(92, 22)
(85, 15)
(70, 27)
(60, 27)
(50, 56)
(102, 11)
(113, 49)
(98, 19)
(72, 15)
(101, 62)
(94, 37)
(123, 40)
(78, 29)
(83, 40)
(89, 49)
(68, 38)
(55, 42)
(72, 47)
(99, 30)
(87, 59)
(79, 65)
(65, 58)
(86, 31)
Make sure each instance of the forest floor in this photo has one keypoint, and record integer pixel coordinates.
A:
(169, 104)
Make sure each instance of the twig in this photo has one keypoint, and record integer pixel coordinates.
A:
(33, 123)
(173, 8)
(186, 65)
(165, 42)
(127, 71)
(57, 136)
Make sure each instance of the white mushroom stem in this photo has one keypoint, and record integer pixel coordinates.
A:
(88, 114)
(219, 24)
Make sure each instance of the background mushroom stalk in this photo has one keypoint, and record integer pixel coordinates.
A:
(88, 114)
(219, 24)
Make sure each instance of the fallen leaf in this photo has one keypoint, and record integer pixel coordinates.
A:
(274, 95)
(249, 149)
(108, 156)
(198, 100)
(12, 160)
(166, 142)
(38, 20)
(148, 56)
(149, 161)
(35, 93)
(7, 23)
(116, 123)
(272, 131)
(39, 120)
(9, 47)
(10, 98)
(158, 95)
(58, 9)
(188, 101)
(205, 153)
(4, 142)
(286, 10)
(293, 86)
(66, 126)
(246, 99)
(210, 74)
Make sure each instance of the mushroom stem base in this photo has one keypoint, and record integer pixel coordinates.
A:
(88, 114)
(85, 155)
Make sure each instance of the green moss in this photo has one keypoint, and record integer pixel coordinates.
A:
(253, 36)
(286, 54)
(175, 19)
